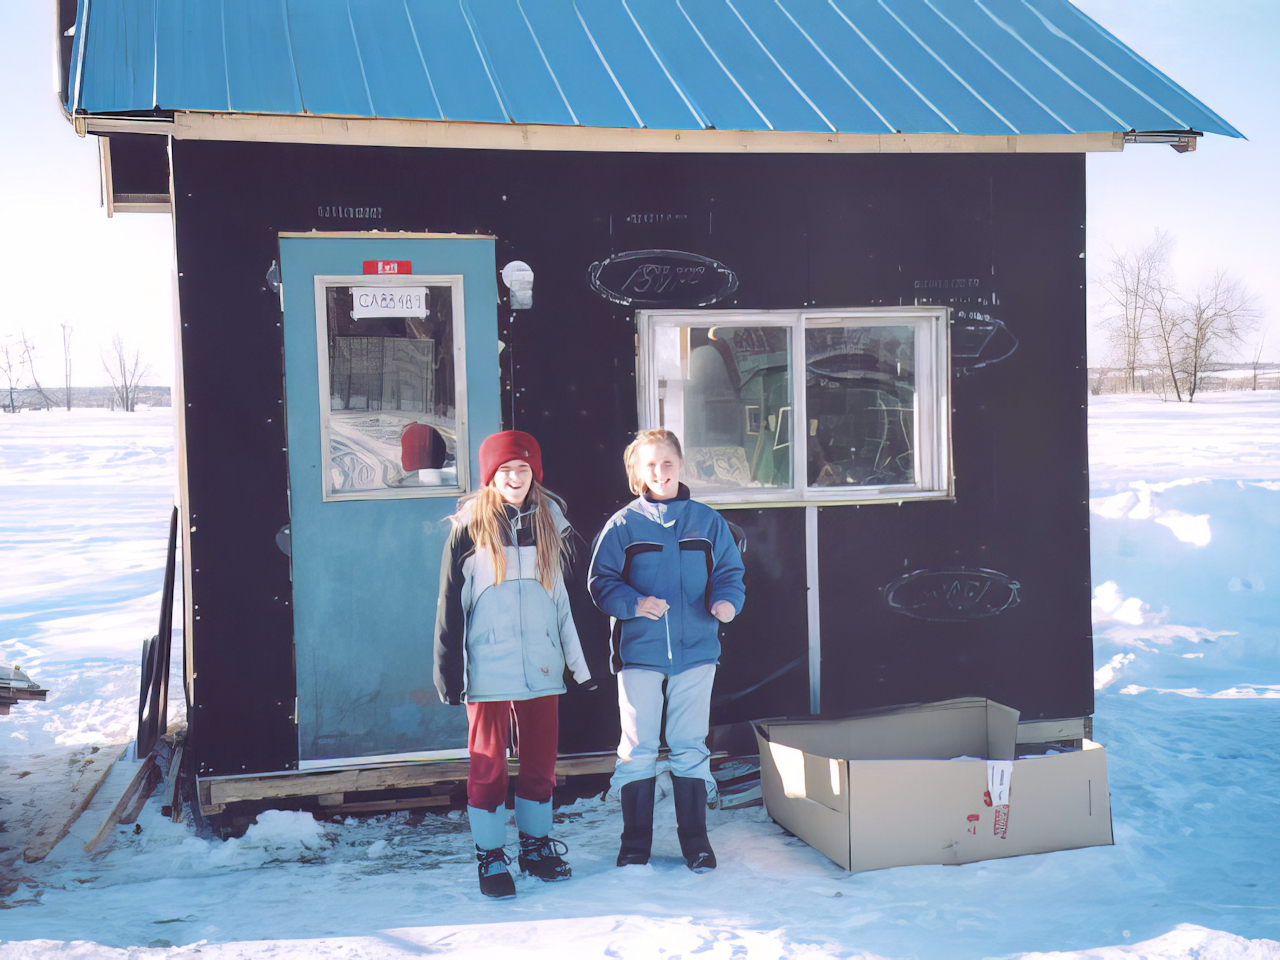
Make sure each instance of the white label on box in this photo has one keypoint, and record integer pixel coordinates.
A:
(371, 302)
(999, 773)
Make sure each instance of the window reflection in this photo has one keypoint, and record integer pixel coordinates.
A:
(392, 419)
(726, 390)
(860, 393)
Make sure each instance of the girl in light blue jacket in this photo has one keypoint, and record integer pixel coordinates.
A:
(666, 569)
(504, 637)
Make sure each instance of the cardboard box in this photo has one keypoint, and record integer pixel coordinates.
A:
(929, 783)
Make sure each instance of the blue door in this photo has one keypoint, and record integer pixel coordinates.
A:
(391, 382)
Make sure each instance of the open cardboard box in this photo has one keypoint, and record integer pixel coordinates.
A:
(929, 783)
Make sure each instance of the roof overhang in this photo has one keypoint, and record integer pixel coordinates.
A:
(361, 131)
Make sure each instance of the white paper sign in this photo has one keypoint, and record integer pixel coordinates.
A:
(999, 773)
(370, 302)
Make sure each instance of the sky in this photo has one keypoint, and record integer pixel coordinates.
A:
(66, 262)
(1221, 202)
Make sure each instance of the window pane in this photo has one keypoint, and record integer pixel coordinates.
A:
(860, 386)
(392, 421)
(726, 392)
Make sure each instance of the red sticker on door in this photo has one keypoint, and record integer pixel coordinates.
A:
(383, 268)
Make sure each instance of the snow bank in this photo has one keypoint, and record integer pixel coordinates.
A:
(1186, 940)
(625, 937)
(619, 937)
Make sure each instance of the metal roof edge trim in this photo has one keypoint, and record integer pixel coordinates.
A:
(284, 128)
(107, 124)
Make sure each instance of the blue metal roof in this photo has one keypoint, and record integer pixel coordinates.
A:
(979, 67)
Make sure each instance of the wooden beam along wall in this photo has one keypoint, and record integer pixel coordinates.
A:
(331, 784)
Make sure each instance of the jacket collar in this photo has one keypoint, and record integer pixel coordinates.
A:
(516, 516)
(682, 493)
(663, 511)
(519, 516)
(523, 515)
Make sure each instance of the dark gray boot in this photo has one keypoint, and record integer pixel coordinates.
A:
(543, 857)
(495, 878)
(691, 822)
(637, 821)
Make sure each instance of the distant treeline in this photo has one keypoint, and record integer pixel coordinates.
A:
(29, 398)
(1214, 377)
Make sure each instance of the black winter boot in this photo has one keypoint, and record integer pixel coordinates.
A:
(637, 821)
(691, 822)
(543, 857)
(495, 878)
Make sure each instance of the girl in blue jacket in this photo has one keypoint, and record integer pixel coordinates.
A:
(666, 569)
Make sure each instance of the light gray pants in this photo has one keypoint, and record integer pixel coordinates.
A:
(688, 700)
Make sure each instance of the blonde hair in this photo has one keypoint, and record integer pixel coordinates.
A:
(644, 438)
(488, 521)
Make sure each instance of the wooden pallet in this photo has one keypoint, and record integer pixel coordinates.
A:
(46, 794)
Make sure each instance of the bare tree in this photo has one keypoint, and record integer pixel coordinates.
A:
(28, 360)
(1257, 358)
(66, 360)
(1165, 318)
(10, 369)
(1219, 316)
(125, 371)
(1135, 281)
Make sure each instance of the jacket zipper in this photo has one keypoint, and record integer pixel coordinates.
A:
(515, 542)
(666, 617)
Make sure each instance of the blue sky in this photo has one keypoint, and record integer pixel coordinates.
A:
(66, 262)
(1221, 202)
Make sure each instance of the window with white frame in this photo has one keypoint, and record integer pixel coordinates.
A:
(392, 386)
(796, 406)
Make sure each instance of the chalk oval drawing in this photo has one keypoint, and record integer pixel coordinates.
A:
(661, 278)
(953, 595)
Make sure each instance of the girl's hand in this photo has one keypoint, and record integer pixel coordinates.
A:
(652, 607)
(723, 611)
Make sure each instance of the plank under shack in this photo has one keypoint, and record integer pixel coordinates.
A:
(217, 792)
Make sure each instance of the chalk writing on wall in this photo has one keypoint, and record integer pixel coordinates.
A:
(953, 595)
(337, 212)
(638, 218)
(978, 337)
(661, 278)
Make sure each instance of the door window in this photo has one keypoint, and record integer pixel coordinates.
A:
(391, 369)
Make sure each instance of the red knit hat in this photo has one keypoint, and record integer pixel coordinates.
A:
(509, 445)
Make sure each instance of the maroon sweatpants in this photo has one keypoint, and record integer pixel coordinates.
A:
(489, 732)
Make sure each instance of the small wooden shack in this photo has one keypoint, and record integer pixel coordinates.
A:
(837, 246)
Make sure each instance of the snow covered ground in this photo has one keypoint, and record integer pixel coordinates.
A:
(85, 499)
(1186, 517)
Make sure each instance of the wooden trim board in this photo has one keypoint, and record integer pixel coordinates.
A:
(130, 804)
(216, 792)
(374, 131)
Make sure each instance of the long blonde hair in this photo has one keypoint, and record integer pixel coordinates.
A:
(488, 521)
(643, 438)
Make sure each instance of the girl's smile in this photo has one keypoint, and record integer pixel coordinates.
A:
(512, 480)
(658, 466)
